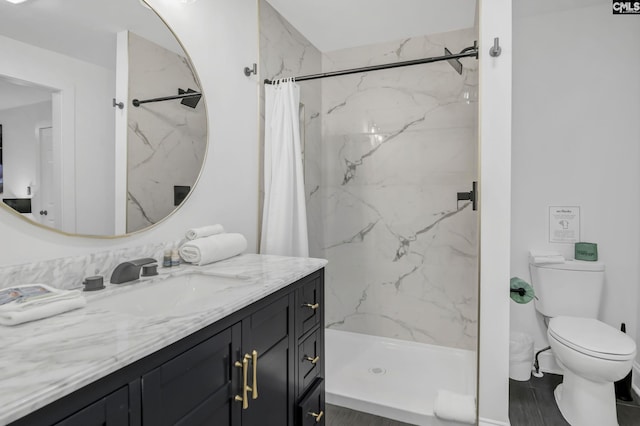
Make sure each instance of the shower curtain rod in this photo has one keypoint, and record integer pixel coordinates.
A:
(464, 53)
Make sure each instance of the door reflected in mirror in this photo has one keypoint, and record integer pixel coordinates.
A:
(73, 144)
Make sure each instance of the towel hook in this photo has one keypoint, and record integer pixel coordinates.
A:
(495, 50)
(248, 71)
(118, 104)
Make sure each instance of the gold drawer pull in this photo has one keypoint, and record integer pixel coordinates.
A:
(254, 385)
(245, 397)
(312, 360)
(317, 416)
(312, 306)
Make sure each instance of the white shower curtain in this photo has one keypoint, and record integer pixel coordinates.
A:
(284, 218)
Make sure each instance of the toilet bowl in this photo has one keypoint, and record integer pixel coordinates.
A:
(592, 355)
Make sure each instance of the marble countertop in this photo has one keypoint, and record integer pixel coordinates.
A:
(44, 360)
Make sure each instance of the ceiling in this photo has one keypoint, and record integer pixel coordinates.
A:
(84, 29)
(338, 24)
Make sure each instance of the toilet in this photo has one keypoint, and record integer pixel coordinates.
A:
(591, 353)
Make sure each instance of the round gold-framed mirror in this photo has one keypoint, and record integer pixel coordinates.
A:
(103, 126)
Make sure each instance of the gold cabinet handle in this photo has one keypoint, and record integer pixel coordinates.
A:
(317, 416)
(244, 398)
(312, 360)
(312, 306)
(254, 385)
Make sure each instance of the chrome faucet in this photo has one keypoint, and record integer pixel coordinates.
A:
(130, 270)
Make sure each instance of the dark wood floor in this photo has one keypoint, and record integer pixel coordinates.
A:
(532, 403)
(340, 416)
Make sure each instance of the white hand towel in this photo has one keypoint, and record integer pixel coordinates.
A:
(455, 407)
(36, 301)
(203, 251)
(204, 231)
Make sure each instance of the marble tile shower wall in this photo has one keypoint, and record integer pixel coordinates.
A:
(68, 272)
(396, 147)
(160, 133)
(284, 52)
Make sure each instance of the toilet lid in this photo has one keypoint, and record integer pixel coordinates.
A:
(592, 337)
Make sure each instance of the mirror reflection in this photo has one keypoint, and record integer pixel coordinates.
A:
(76, 155)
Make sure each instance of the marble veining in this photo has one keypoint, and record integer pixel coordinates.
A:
(396, 146)
(385, 153)
(45, 360)
(68, 272)
(160, 133)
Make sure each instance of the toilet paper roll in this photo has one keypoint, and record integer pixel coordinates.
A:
(521, 291)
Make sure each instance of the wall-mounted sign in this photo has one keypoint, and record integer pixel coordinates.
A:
(564, 224)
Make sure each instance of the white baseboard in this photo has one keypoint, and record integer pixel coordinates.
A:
(490, 422)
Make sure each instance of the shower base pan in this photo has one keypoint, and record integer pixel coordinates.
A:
(393, 378)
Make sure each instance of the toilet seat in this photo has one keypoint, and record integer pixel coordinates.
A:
(592, 337)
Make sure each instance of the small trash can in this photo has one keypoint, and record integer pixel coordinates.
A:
(520, 356)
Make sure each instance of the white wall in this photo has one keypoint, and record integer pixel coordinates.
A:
(84, 139)
(20, 146)
(495, 202)
(575, 143)
(221, 38)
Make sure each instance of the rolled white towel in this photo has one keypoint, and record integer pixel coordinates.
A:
(455, 407)
(31, 302)
(204, 231)
(211, 249)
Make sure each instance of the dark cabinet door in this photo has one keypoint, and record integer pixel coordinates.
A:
(112, 410)
(268, 332)
(196, 387)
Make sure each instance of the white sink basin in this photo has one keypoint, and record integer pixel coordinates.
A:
(174, 295)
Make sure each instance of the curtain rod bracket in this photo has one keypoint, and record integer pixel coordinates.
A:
(254, 70)
(495, 50)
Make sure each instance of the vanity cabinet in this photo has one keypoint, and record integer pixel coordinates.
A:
(113, 409)
(262, 365)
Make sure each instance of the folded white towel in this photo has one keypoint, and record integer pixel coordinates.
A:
(211, 249)
(455, 406)
(204, 231)
(36, 301)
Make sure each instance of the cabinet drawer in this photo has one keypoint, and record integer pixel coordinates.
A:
(311, 407)
(309, 359)
(308, 306)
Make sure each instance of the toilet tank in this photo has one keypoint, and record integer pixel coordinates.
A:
(573, 288)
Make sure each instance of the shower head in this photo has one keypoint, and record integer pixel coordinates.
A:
(190, 101)
(455, 63)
